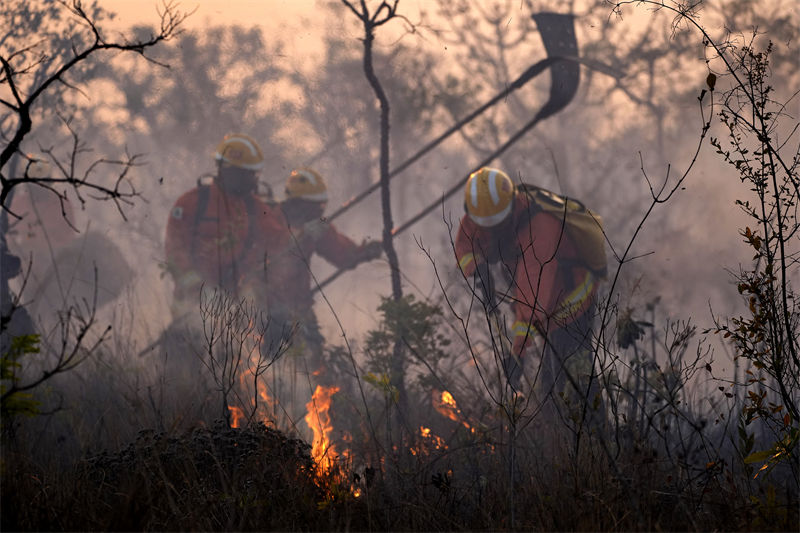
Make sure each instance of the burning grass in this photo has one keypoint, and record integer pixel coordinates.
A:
(450, 460)
(319, 420)
(452, 470)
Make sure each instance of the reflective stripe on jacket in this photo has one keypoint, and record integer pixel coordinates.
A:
(550, 287)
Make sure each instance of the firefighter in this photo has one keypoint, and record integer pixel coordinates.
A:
(303, 208)
(220, 232)
(219, 235)
(67, 266)
(551, 289)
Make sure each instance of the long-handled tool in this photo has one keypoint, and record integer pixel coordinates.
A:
(558, 35)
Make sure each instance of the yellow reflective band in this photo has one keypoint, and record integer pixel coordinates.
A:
(522, 329)
(576, 298)
(465, 260)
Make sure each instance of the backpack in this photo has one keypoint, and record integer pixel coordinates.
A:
(582, 225)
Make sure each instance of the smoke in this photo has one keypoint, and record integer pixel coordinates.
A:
(303, 95)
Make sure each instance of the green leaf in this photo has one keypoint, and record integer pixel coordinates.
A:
(757, 457)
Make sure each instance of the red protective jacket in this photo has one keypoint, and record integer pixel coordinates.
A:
(217, 238)
(550, 286)
(290, 279)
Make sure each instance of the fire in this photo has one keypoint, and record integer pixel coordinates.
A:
(319, 420)
(237, 416)
(446, 405)
(265, 398)
(262, 406)
(429, 441)
(448, 399)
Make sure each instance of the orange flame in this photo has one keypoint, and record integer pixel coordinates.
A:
(446, 405)
(448, 399)
(263, 406)
(319, 420)
(265, 397)
(429, 441)
(237, 414)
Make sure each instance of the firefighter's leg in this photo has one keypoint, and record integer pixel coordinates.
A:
(313, 342)
(184, 392)
(279, 347)
(301, 366)
(279, 336)
(569, 355)
(522, 333)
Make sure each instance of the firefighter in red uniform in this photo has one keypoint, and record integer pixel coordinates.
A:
(291, 291)
(219, 236)
(220, 233)
(551, 290)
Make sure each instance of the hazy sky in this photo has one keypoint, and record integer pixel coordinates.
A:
(276, 15)
(300, 23)
(302, 26)
(231, 11)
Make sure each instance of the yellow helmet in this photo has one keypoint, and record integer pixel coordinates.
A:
(38, 166)
(488, 196)
(240, 150)
(306, 184)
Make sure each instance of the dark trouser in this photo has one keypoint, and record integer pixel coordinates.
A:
(301, 369)
(569, 381)
(309, 341)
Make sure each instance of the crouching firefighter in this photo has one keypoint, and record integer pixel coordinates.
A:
(551, 252)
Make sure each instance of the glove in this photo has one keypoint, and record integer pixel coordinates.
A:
(512, 367)
(370, 250)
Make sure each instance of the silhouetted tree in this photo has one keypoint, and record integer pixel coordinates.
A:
(42, 68)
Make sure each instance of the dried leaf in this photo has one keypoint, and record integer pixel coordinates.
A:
(711, 80)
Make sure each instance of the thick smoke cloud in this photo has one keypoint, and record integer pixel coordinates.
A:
(298, 87)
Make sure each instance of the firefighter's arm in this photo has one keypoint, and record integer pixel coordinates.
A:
(465, 247)
(178, 244)
(484, 283)
(342, 252)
